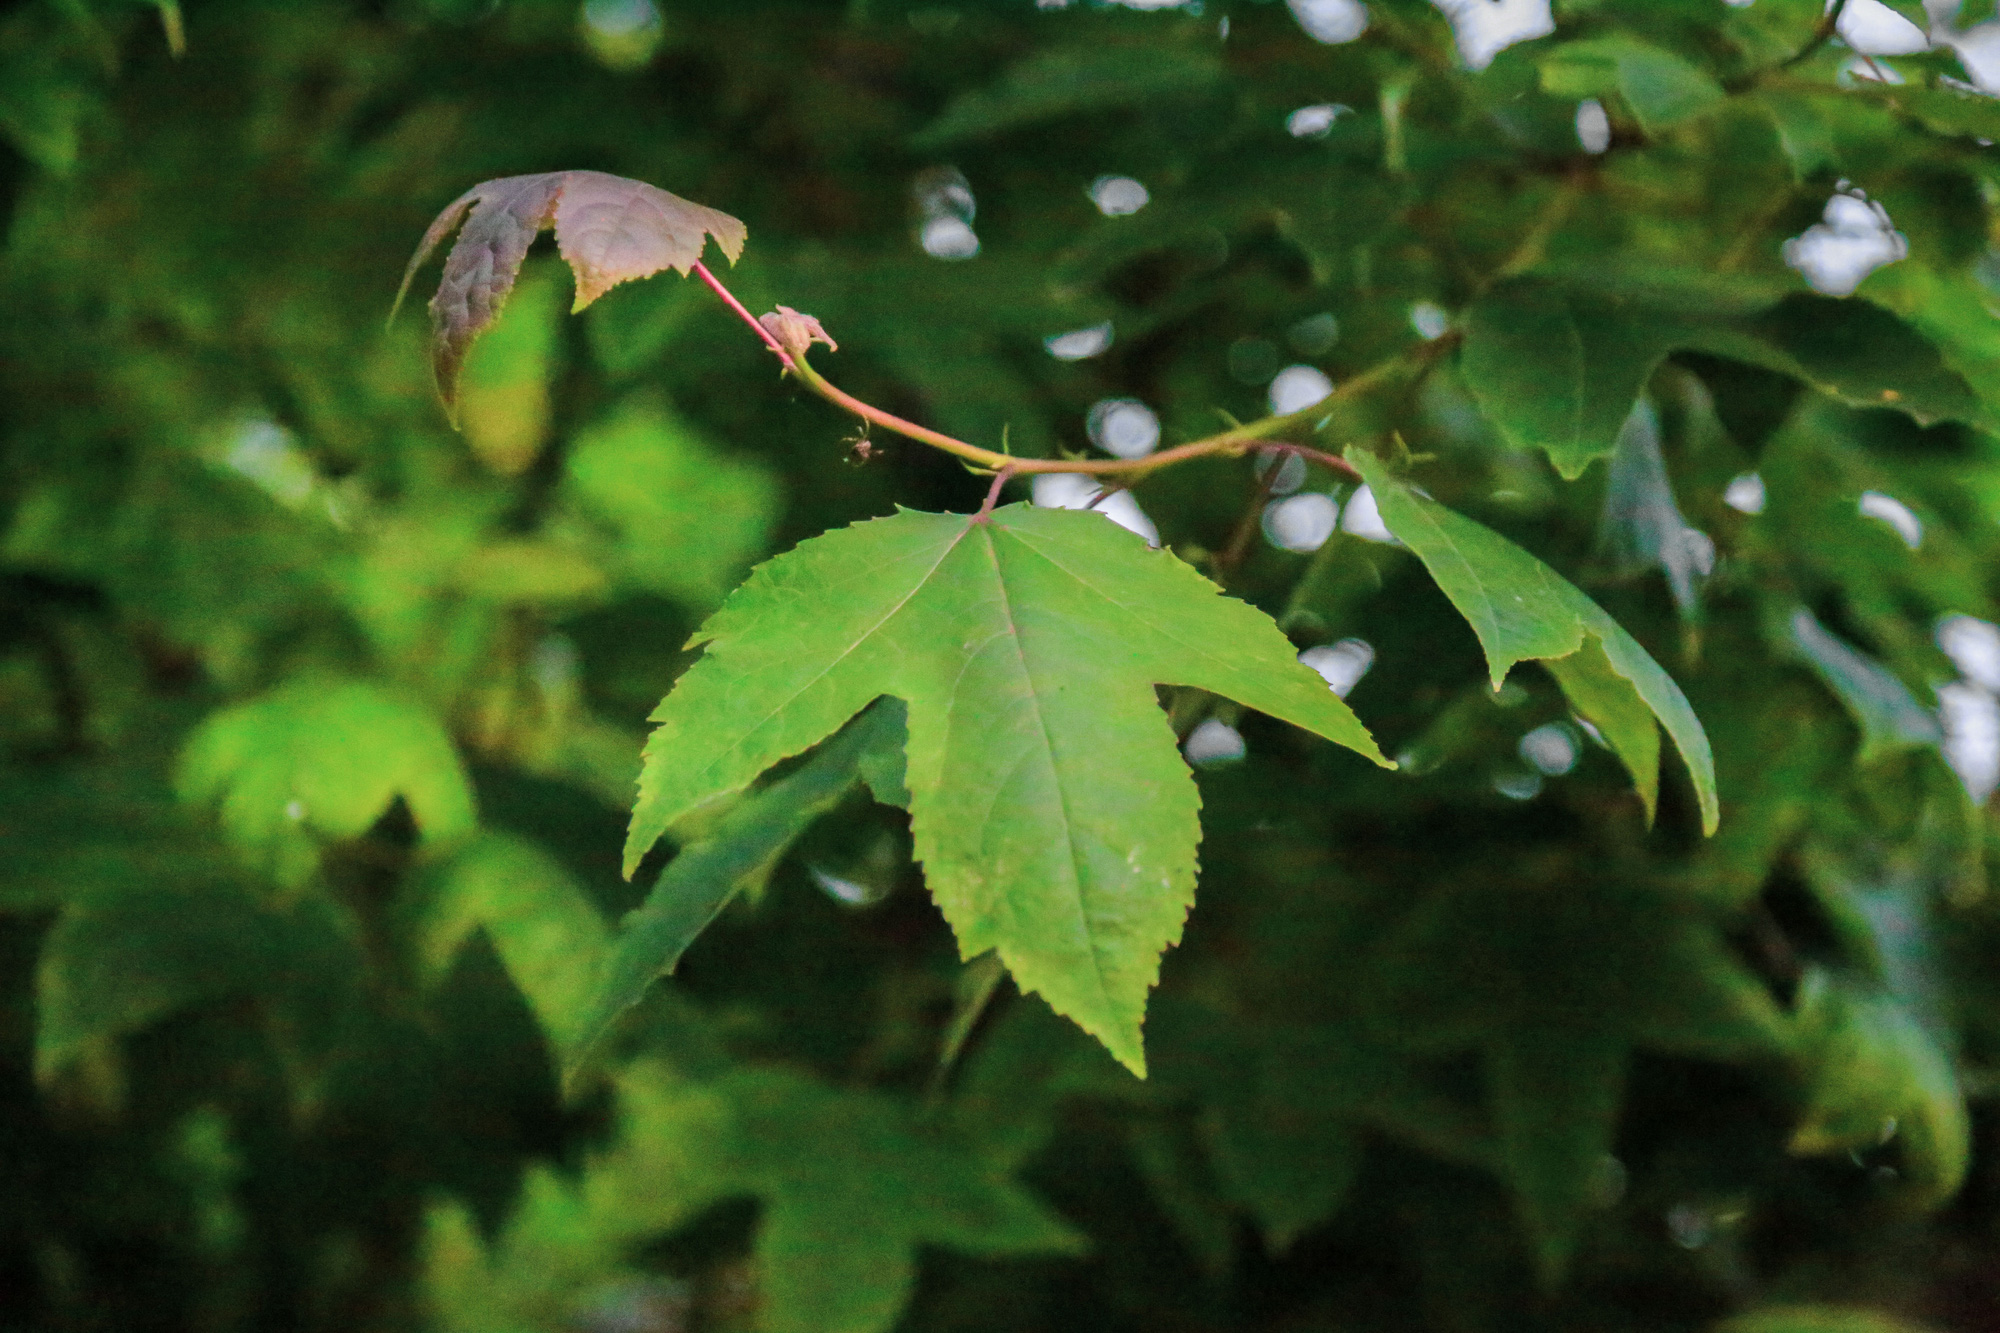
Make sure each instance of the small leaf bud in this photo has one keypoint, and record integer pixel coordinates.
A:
(796, 332)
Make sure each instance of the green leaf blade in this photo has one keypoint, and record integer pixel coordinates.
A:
(121, 958)
(1054, 817)
(1661, 88)
(1874, 1073)
(548, 933)
(323, 758)
(1888, 715)
(1557, 369)
(687, 516)
(707, 874)
(1609, 702)
(1556, 1094)
(1522, 609)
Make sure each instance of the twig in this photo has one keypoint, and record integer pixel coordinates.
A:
(729, 299)
(1332, 462)
(1000, 478)
(1229, 442)
(1534, 244)
(1828, 26)
(1231, 556)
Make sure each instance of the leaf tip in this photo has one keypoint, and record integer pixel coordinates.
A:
(447, 392)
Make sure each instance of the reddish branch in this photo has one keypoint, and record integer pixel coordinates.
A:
(788, 335)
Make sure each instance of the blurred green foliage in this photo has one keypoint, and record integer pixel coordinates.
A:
(320, 720)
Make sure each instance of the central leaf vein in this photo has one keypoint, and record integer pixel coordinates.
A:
(1076, 870)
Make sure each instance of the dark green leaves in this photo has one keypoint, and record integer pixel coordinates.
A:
(1660, 87)
(850, 1186)
(121, 959)
(1055, 821)
(1556, 1090)
(737, 854)
(1555, 984)
(1556, 364)
(1558, 369)
(1070, 81)
(1851, 350)
(1521, 609)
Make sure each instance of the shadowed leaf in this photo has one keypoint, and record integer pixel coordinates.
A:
(851, 1187)
(548, 933)
(739, 854)
(1875, 1076)
(1556, 1092)
(1889, 716)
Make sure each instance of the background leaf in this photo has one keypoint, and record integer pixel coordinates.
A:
(1661, 88)
(119, 961)
(548, 934)
(1557, 370)
(322, 759)
(834, 1245)
(735, 855)
(687, 517)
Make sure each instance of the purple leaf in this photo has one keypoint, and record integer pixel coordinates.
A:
(608, 228)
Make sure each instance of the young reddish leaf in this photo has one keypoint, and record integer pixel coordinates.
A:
(612, 230)
(608, 228)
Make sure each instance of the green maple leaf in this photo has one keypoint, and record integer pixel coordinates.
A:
(1556, 359)
(1055, 820)
(548, 933)
(1278, 1111)
(1521, 609)
(121, 957)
